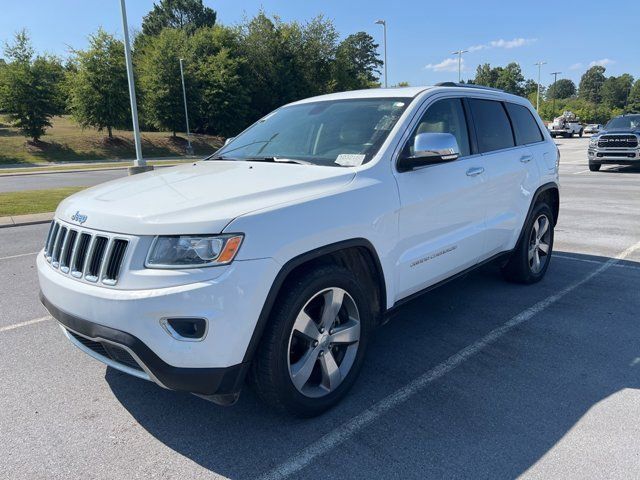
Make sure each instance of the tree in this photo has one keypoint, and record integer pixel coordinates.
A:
(563, 88)
(485, 75)
(181, 14)
(216, 89)
(615, 90)
(633, 102)
(530, 87)
(98, 85)
(159, 77)
(30, 87)
(591, 84)
(509, 78)
(357, 64)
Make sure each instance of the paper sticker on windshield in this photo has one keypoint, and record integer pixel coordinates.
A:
(350, 159)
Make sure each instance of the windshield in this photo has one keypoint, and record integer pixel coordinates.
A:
(628, 122)
(335, 132)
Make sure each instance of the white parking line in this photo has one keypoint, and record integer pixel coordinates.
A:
(598, 262)
(24, 324)
(18, 256)
(356, 424)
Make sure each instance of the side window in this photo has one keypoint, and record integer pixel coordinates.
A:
(492, 125)
(444, 116)
(524, 125)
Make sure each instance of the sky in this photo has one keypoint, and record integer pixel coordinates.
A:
(421, 34)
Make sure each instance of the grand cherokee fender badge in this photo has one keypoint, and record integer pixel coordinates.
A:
(433, 255)
(78, 217)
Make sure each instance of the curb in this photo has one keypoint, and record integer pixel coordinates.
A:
(101, 169)
(22, 220)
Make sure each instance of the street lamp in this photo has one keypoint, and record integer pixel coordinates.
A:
(186, 113)
(384, 29)
(139, 164)
(459, 53)
(555, 93)
(539, 64)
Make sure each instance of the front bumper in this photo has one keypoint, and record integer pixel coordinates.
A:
(618, 156)
(203, 381)
(132, 320)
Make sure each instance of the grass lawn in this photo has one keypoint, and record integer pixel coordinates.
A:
(33, 201)
(66, 141)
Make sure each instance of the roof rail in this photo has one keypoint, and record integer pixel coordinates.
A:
(467, 85)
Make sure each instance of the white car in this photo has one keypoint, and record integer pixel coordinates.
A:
(279, 255)
(593, 128)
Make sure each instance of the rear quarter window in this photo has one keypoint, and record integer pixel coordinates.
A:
(524, 124)
(493, 128)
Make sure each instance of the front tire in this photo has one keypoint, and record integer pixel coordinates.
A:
(530, 259)
(594, 167)
(580, 133)
(314, 345)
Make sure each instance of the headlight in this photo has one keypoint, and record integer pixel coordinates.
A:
(593, 141)
(193, 251)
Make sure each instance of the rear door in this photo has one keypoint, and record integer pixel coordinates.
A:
(441, 218)
(510, 143)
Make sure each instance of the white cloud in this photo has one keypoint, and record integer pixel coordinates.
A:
(475, 48)
(502, 43)
(447, 65)
(515, 43)
(576, 66)
(603, 62)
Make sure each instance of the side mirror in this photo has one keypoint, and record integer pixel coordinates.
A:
(429, 149)
(228, 141)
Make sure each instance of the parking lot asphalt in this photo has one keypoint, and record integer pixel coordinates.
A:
(477, 379)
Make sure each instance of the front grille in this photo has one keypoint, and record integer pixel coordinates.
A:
(618, 141)
(108, 350)
(85, 255)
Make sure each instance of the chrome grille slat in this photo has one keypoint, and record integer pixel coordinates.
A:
(65, 253)
(52, 241)
(93, 257)
(92, 266)
(77, 267)
(57, 248)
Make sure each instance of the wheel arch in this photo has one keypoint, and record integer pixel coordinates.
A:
(549, 192)
(357, 254)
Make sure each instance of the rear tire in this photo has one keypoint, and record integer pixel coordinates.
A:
(580, 133)
(314, 345)
(530, 259)
(594, 167)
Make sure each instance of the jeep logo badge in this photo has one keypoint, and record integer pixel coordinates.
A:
(78, 217)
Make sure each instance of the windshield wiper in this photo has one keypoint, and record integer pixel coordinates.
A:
(276, 160)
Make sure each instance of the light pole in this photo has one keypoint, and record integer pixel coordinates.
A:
(539, 64)
(459, 53)
(186, 113)
(555, 79)
(384, 33)
(139, 164)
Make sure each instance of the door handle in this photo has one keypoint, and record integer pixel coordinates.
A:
(472, 172)
(526, 158)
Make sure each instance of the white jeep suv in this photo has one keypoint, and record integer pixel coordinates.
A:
(275, 258)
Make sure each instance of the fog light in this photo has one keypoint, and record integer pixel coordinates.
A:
(187, 329)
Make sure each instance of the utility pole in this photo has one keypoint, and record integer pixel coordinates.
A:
(384, 31)
(459, 53)
(186, 113)
(539, 64)
(555, 93)
(139, 164)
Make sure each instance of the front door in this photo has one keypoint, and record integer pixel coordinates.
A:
(442, 213)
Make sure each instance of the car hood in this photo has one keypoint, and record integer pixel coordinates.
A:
(202, 197)
(619, 130)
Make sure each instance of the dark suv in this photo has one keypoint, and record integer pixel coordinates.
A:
(618, 143)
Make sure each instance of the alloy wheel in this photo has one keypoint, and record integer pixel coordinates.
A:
(324, 342)
(539, 244)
